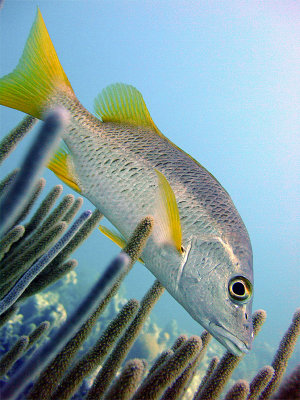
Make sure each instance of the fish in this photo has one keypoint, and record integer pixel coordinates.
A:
(200, 249)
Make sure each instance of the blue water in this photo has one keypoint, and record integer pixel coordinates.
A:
(220, 80)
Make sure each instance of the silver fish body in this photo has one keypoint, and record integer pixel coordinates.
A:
(115, 165)
(128, 170)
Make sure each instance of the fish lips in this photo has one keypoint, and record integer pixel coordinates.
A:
(235, 346)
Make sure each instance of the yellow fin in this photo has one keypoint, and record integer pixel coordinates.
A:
(60, 164)
(123, 103)
(115, 237)
(169, 225)
(37, 74)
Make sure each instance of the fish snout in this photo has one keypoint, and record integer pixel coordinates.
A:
(234, 344)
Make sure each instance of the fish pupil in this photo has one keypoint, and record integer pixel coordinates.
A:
(238, 288)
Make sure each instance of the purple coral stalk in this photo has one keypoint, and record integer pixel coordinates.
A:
(16, 196)
(42, 356)
(37, 267)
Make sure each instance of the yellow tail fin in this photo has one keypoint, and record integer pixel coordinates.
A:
(37, 74)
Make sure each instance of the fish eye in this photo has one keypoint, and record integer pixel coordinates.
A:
(240, 289)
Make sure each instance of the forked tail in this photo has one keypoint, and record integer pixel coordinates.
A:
(37, 76)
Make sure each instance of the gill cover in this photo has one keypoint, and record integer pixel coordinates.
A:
(205, 289)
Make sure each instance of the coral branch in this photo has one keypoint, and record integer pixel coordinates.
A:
(210, 369)
(138, 239)
(16, 196)
(38, 333)
(8, 360)
(11, 237)
(36, 191)
(282, 356)
(14, 270)
(94, 357)
(126, 383)
(290, 387)
(47, 277)
(176, 390)
(239, 391)
(8, 314)
(160, 360)
(179, 342)
(153, 387)
(43, 209)
(42, 356)
(77, 240)
(260, 381)
(73, 210)
(115, 359)
(9, 143)
(36, 268)
(54, 218)
(217, 381)
(7, 181)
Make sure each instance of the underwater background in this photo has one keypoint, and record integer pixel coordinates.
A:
(220, 80)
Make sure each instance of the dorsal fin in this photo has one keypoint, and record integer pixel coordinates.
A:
(123, 103)
(60, 164)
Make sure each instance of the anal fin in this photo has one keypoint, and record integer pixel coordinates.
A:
(61, 165)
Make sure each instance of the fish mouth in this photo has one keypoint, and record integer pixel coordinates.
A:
(236, 346)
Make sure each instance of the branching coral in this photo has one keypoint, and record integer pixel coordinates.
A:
(285, 350)
(60, 373)
(15, 197)
(13, 354)
(260, 381)
(154, 385)
(31, 199)
(43, 210)
(290, 387)
(10, 238)
(162, 381)
(108, 280)
(176, 390)
(44, 355)
(38, 333)
(25, 249)
(210, 369)
(126, 383)
(114, 361)
(12, 271)
(239, 391)
(36, 268)
(47, 278)
(95, 356)
(8, 144)
(218, 379)
(8, 314)
(23, 344)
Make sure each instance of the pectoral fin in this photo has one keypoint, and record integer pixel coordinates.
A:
(61, 165)
(115, 237)
(168, 225)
